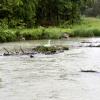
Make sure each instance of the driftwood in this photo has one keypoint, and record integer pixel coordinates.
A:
(22, 50)
(6, 50)
(35, 50)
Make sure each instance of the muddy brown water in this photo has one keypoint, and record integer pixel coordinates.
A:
(51, 77)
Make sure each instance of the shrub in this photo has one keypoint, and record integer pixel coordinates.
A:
(96, 32)
(7, 37)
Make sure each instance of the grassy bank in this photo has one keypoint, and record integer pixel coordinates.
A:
(32, 34)
(89, 27)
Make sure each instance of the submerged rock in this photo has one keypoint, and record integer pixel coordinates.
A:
(90, 44)
(89, 71)
(65, 35)
(93, 46)
(31, 56)
(86, 42)
(7, 54)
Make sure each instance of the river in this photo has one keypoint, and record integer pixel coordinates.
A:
(51, 77)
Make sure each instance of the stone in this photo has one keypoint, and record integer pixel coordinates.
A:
(31, 56)
(65, 35)
(89, 71)
(50, 50)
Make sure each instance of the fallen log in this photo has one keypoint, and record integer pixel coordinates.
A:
(22, 50)
(6, 50)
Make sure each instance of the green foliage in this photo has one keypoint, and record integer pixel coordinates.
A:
(96, 32)
(88, 27)
(40, 12)
(16, 23)
(52, 12)
(83, 33)
(93, 10)
(4, 24)
(7, 36)
(16, 10)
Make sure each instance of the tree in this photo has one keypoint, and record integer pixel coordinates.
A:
(42, 12)
(94, 9)
(26, 12)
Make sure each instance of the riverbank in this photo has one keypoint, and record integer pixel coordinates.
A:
(89, 27)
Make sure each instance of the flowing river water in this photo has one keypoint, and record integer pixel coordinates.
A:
(51, 77)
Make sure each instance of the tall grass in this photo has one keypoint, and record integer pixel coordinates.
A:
(31, 34)
(88, 27)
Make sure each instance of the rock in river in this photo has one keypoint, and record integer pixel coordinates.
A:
(89, 71)
(50, 50)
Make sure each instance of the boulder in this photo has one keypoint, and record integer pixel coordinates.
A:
(65, 35)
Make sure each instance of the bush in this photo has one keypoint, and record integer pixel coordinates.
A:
(28, 36)
(4, 24)
(16, 23)
(7, 37)
(96, 32)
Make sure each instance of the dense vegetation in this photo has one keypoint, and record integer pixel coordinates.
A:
(88, 27)
(94, 10)
(47, 19)
(29, 13)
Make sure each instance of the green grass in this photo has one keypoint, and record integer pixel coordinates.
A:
(88, 27)
(32, 34)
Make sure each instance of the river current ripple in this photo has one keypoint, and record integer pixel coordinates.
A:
(51, 77)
